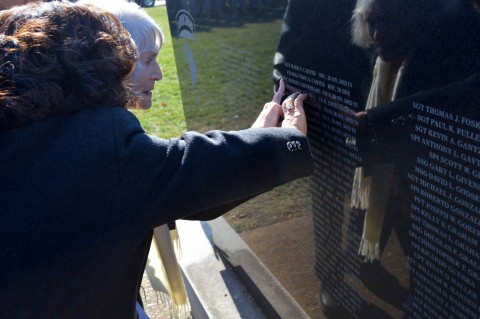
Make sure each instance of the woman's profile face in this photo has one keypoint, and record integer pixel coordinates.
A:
(147, 72)
(389, 29)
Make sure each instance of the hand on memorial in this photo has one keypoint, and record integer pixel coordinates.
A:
(291, 114)
(272, 113)
(270, 116)
(294, 113)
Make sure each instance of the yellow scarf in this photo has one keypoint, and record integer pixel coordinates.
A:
(371, 193)
(164, 272)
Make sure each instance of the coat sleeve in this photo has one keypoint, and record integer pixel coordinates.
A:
(392, 123)
(214, 212)
(171, 179)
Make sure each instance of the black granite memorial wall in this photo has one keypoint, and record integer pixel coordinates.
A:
(429, 252)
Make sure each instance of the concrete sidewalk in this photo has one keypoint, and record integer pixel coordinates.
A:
(281, 283)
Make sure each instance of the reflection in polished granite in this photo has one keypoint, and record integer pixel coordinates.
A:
(288, 251)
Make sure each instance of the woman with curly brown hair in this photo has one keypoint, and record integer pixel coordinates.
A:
(83, 185)
(36, 65)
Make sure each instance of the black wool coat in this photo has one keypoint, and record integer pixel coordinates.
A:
(81, 192)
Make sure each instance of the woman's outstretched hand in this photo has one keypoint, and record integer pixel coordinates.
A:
(290, 114)
(294, 113)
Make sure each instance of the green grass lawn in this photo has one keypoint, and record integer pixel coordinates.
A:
(166, 118)
(226, 96)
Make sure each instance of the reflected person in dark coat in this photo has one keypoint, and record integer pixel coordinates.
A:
(412, 55)
(442, 71)
(445, 53)
(444, 49)
(388, 27)
(83, 185)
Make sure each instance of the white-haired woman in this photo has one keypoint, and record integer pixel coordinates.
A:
(149, 39)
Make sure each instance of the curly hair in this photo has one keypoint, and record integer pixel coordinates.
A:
(146, 33)
(61, 57)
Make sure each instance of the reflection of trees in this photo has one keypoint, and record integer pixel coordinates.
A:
(220, 9)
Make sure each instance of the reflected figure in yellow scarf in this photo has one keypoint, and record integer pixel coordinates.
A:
(385, 26)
